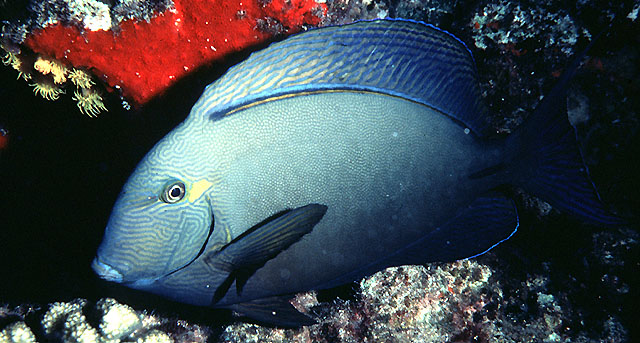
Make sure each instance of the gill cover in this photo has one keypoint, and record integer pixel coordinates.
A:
(161, 220)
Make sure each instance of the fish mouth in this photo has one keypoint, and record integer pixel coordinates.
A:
(105, 271)
(108, 273)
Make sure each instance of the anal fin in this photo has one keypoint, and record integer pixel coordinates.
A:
(488, 221)
(276, 311)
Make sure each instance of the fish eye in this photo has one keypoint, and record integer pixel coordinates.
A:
(173, 192)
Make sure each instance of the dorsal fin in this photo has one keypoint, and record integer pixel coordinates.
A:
(402, 58)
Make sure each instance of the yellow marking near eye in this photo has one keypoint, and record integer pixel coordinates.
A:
(197, 188)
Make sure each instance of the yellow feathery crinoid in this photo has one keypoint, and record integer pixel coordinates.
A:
(12, 58)
(59, 72)
(47, 89)
(11, 53)
(9, 58)
(43, 65)
(81, 78)
(89, 102)
(14, 61)
(57, 69)
(17, 65)
(21, 74)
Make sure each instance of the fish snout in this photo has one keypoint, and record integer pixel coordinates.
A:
(105, 271)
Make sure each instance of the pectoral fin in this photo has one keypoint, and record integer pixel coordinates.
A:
(252, 249)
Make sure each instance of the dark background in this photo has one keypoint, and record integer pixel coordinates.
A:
(61, 174)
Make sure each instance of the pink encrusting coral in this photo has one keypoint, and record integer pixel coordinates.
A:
(145, 57)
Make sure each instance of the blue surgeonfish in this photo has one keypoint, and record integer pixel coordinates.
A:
(329, 156)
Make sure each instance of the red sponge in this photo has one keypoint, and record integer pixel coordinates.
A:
(146, 57)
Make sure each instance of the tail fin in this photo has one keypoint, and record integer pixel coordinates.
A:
(549, 163)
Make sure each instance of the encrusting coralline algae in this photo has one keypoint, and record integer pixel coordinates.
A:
(457, 302)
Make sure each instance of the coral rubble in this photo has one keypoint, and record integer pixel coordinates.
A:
(107, 321)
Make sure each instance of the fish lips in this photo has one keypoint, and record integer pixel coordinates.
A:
(108, 273)
(105, 271)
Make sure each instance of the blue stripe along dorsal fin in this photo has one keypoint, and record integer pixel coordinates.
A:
(403, 58)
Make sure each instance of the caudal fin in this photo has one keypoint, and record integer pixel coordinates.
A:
(548, 162)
